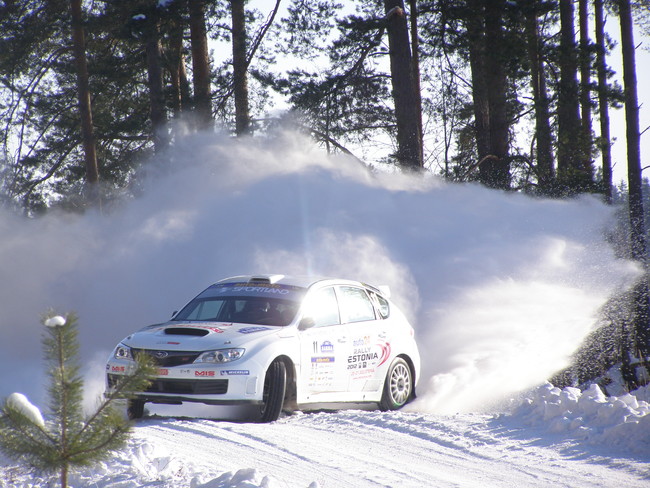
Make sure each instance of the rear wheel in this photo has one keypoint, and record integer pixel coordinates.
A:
(275, 385)
(135, 409)
(398, 386)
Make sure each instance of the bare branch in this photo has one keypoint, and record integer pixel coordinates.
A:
(261, 33)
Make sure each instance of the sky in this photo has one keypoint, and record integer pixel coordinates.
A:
(501, 288)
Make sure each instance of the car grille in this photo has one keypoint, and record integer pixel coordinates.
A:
(181, 387)
(189, 387)
(169, 358)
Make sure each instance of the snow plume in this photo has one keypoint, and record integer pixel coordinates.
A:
(501, 288)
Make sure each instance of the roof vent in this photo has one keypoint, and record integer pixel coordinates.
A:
(270, 279)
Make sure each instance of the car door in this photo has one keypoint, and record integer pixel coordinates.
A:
(323, 348)
(370, 349)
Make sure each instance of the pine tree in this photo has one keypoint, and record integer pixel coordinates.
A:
(66, 438)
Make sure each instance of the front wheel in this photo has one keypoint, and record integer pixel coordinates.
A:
(398, 386)
(275, 385)
(135, 409)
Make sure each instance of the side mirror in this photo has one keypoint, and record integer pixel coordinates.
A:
(306, 323)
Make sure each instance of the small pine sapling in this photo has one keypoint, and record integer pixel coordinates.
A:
(66, 437)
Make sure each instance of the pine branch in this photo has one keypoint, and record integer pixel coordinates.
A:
(137, 381)
(18, 438)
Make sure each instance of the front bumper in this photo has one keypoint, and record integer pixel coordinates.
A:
(222, 384)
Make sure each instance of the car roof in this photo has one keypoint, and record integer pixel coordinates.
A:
(303, 281)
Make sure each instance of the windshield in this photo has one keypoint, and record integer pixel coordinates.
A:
(245, 304)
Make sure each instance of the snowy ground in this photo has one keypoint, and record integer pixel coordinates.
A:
(551, 438)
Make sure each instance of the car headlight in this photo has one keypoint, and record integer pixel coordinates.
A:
(220, 356)
(123, 352)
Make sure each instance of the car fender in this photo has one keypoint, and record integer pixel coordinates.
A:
(265, 352)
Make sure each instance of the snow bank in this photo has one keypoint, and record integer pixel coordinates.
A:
(139, 465)
(621, 422)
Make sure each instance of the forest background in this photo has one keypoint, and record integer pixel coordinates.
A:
(515, 95)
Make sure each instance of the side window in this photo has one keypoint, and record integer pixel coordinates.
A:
(323, 308)
(355, 305)
(382, 305)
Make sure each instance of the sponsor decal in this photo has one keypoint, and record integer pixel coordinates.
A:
(327, 346)
(362, 341)
(270, 288)
(160, 354)
(251, 330)
(361, 360)
(360, 356)
(362, 374)
(258, 289)
(322, 360)
(385, 352)
(118, 369)
(204, 373)
(216, 330)
(369, 356)
(163, 372)
(235, 372)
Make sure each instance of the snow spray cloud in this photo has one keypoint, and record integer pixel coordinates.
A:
(501, 288)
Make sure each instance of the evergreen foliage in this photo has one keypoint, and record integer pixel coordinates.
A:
(68, 438)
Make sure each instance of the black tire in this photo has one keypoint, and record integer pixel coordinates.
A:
(135, 409)
(275, 386)
(398, 387)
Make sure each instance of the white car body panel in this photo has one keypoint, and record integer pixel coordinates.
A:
(331, 364)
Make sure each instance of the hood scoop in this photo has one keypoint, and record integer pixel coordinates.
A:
(186, 331)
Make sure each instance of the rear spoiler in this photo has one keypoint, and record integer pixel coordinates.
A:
(385, 290)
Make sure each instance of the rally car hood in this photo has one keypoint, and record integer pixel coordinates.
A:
(197, 336)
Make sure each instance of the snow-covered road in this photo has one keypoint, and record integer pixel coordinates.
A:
(373, 449)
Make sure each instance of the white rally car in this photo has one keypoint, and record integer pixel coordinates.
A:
(279, 343)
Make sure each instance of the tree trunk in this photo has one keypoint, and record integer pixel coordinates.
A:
(497, 96)
(240, 67)
(585, 86)
(571, 177)
(200, 64)
(156, 94)
(476, 36)
(64, 476)
(176, 65)
(415, 48)
(545, 169)
(85, 109)
(409, 152)
(604, 141)
(633, 137)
